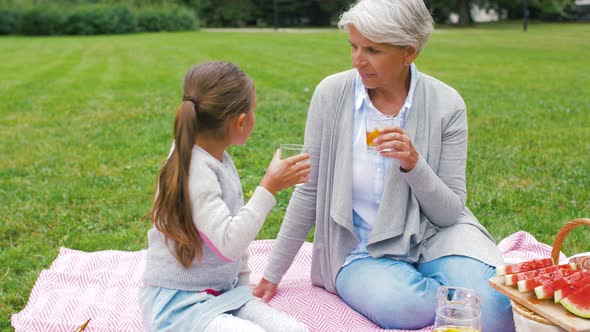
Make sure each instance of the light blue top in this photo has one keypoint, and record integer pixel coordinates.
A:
(367, 186)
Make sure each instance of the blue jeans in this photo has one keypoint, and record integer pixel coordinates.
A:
(398, 295)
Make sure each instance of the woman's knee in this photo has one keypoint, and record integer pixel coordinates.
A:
(471, 273)
(393, 308)
(402, 298)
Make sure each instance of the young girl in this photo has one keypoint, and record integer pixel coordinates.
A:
(196, 273)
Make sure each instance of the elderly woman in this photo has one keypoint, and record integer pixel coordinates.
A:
(391, 226)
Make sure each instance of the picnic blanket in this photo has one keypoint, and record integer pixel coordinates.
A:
(103, 286)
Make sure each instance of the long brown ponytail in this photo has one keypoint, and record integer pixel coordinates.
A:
(214, 93)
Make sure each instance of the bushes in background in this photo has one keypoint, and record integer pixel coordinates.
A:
(173, 19)
(41, 20)
(8, 21)
(94, 19)
(98, 20)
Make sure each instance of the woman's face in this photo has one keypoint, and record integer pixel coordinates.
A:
(379, 64)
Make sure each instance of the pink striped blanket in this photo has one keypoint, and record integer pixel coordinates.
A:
(102, 286)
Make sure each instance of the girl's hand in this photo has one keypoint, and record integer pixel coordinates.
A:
(284, 173)
(394, 142)
(265, 290)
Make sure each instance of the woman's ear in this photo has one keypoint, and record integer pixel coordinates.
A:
(411, 53)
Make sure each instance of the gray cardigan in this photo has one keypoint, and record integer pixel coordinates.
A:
(422, 215)
(224, 223)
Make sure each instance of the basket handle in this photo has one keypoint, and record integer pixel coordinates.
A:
(562, 234)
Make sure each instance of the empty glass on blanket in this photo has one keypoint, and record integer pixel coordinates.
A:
(373, 122)
(290, 150)
(458, 309)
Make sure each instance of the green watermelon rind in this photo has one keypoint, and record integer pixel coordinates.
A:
(576, 309)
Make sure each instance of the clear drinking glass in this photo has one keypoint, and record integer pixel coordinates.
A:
(458, 309)
(290, 150)
(373, 122)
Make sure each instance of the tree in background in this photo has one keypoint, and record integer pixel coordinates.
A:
(335, 7)
(547, 10)
(327, 12)
(262, 12)
(239, 13)
(225, 13)
(441, 10)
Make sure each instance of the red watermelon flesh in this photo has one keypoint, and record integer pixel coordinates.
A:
(570, 289)
(524, 266)
(546, 291)
(578, 303)
(530, 284)
(512, 279)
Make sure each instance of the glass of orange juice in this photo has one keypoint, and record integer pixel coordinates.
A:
(373, 122)
(458, 309)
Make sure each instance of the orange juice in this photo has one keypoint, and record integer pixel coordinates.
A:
(371, 137)
(451, 328)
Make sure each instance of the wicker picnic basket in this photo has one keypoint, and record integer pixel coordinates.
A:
(526, 320)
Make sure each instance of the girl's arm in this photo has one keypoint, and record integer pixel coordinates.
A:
(226, 235)
(229, 235)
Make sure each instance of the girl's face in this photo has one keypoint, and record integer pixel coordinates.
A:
(250, 119)
(378, 64)
(243, 125)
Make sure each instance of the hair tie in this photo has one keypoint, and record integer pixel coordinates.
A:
(194, 100)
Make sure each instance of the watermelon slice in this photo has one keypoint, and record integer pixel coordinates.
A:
(570, 289)
(524, 266)
(546, 291)
(530, 284)
(578, 303)
(512, 279)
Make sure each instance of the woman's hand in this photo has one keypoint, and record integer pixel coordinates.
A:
(284, 173)
(265, 290)
(394, 142)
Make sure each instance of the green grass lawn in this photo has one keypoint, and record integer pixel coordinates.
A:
(85, 123)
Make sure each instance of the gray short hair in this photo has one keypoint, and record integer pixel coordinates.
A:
(395, 22)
